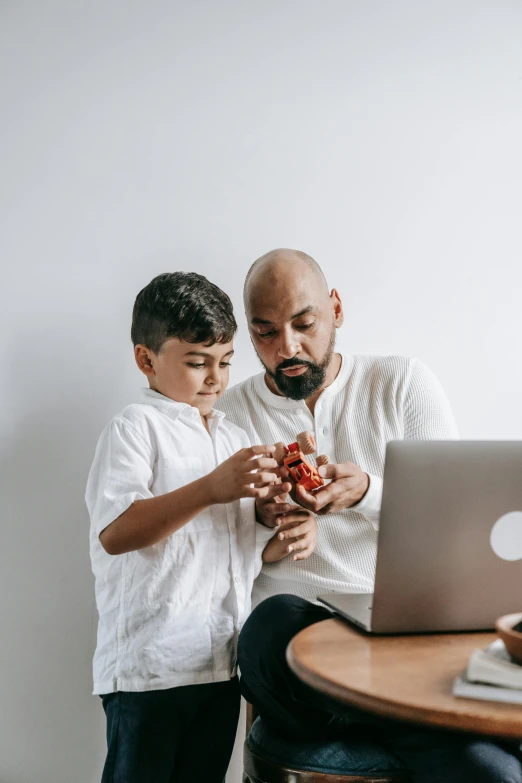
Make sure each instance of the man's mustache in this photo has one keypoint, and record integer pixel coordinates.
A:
(295, 362)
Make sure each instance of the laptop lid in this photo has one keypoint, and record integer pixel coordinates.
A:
(450, 538)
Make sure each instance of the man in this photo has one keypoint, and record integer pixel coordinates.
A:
(355, 405)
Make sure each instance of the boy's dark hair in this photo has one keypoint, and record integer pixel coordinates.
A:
(183, 305)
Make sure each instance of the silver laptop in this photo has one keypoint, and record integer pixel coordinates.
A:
(449, 553)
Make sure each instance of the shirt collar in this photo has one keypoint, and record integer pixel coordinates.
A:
(335, 387)
(172, 408)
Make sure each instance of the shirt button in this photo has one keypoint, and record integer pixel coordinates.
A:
(237, 580)
(325, 431)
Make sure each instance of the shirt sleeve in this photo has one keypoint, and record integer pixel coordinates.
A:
(263, 536)
(122, 472)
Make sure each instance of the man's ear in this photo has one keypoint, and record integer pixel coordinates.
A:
(337, 306)
(144, 360)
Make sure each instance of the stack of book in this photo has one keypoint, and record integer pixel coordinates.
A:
(492, 674)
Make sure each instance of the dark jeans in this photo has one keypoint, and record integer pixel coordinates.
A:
(294, 709)
(178, 735)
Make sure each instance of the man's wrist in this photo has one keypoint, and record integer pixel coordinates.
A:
(366, 486)
(370, 505)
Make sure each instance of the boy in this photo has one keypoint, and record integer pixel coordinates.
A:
(171, 496)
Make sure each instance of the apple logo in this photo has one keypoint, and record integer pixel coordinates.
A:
(506, 536)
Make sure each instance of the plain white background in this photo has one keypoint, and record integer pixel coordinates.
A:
(383, 138)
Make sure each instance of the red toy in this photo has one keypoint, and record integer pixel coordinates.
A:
(292, 457)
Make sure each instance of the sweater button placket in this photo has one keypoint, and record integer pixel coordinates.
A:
(323, 433)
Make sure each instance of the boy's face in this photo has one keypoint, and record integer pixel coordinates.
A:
(194, 373)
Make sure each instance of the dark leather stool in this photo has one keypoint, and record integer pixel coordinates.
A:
(268, 758)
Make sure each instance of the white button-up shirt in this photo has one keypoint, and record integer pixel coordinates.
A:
(169, 614)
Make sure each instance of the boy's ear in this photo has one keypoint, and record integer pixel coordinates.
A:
(143, 356)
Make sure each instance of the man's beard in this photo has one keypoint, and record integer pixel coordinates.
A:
(300, 387)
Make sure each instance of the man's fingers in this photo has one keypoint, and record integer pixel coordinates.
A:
(306, 499)
(337, 471)
(322, 497)
(282, 509)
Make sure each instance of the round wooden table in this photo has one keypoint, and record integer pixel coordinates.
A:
(404, 677)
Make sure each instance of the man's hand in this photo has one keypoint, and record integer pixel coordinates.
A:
(349, 484)
(297, 537)
(233, 479)
(271, 509)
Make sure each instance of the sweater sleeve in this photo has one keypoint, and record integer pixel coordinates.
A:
(426, 416)
(370, 505)
(427, 412)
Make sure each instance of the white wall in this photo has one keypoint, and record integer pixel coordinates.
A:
(384, 138)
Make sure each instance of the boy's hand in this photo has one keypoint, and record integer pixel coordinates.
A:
(233, 479)
(297, 537)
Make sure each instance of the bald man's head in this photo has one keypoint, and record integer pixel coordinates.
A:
(292, 318)
(285, 263)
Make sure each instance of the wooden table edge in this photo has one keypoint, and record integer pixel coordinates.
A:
(401, 712)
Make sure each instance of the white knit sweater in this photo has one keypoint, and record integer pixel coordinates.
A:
(372, 401)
